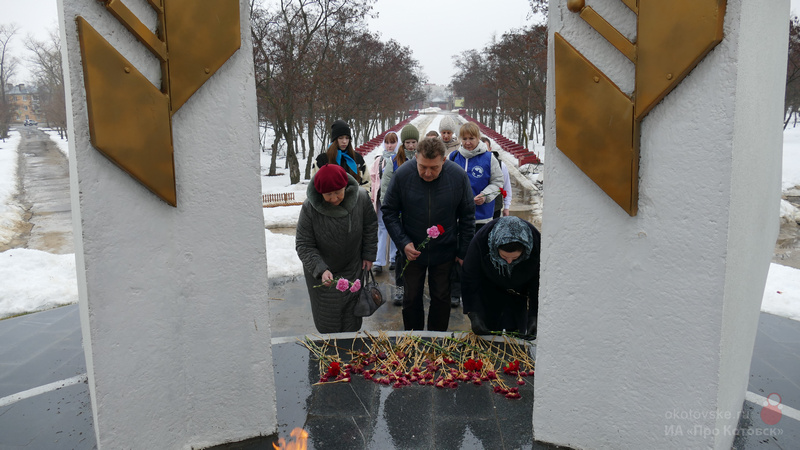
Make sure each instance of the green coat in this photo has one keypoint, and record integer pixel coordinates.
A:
(335, 238)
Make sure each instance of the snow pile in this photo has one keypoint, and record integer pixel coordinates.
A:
(782, 292)
(34, 280)
(10, 212)
(431, 110)
(789, 213)
(282, 260)
(281, 216)
(62, 144)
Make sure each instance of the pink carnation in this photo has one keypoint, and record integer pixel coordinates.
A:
(342, 284)
(356, 286)
(433, 232)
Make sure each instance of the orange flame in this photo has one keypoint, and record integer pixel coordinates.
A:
(299, 436)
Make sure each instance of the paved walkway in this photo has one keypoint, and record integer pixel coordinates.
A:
(44, 192)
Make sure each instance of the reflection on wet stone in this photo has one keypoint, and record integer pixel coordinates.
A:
(365, 414)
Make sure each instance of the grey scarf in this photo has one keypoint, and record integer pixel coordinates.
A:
(509, 229)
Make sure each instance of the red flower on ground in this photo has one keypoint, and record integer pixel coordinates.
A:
(512, 368)
(473, 365)
(334, 369)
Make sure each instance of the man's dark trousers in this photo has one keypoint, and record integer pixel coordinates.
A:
(439, 287)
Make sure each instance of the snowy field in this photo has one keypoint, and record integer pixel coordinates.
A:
(35, 280)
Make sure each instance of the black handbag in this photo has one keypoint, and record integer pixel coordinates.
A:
(370, 297)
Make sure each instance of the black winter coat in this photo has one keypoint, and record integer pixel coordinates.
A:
(504, 303)
(445, 201)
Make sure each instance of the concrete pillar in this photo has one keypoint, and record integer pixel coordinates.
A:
(647, 323)
(173, 300)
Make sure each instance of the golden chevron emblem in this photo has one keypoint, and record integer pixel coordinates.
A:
(597, 125)
(130, 120)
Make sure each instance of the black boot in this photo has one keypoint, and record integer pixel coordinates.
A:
(478, 326)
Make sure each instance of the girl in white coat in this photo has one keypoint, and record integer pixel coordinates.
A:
(385, 153)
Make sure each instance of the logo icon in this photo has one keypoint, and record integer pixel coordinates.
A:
(771, 412)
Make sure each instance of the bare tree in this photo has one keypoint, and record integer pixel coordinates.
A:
(46, 62)
(291, 45)
(792, 98)
(506, 81)
(521, 70)
(7, 68)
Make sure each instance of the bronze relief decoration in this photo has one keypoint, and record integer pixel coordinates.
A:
(130, 120)
(597, 125)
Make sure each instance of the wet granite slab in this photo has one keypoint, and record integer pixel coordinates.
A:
(363, 414)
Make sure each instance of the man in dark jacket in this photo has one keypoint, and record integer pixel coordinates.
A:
(501, 277)
(429, 191)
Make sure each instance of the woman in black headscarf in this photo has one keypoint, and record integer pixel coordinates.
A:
(500, 283)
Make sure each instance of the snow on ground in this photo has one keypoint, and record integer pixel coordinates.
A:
(282, 259)
(39, 280)
(10, 212)
(791, 158)
(34, 280)
(62, 144)
(789, 213)
(782, 292)
(281, 216)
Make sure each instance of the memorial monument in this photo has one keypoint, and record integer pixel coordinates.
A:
(169, 232)
(660, 216)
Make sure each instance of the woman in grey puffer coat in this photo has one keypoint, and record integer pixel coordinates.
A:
(337, 237)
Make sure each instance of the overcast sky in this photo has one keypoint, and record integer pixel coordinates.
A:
(435, 30)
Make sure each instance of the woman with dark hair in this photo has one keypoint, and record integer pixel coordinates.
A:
(341, 153)
(336, 238)
(500, 282)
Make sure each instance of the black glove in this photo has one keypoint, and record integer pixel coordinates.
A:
(530, 330)
(478, 327)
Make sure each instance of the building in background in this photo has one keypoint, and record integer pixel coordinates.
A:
(24, 103)
(438, 96)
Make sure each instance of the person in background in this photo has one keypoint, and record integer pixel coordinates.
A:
(431, 134)
(503, 207)
(486, 179)
(386, 153)
(501, 277)
(341, 152)
(336, 238)
(448, 129)
(431, 193)
(409, 136)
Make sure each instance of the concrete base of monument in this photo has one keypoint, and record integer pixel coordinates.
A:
(44, 398)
